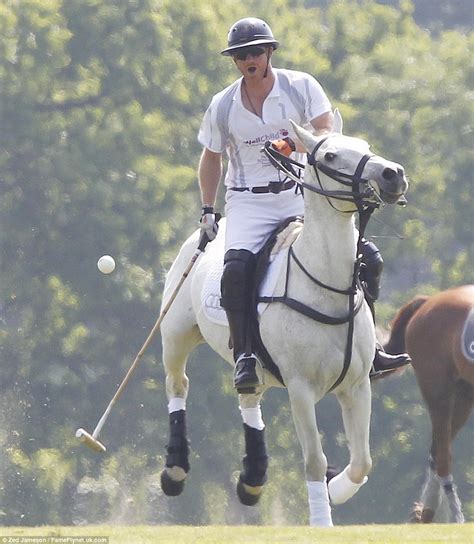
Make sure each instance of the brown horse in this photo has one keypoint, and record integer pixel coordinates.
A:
(438, 333)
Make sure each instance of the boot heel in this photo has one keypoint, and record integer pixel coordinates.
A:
(246, 390)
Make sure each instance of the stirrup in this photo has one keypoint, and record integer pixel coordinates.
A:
(377, 374)
(388, 361)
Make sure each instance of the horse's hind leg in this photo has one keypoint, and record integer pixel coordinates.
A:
(176, 349)
(442, 411)
(356, 407)
(430, 498)
(303, 400)
(463, 402)
(255, 462)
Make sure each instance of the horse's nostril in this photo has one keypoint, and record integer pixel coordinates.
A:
(388, 173)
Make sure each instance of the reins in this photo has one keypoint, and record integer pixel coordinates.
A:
(365, 201)
(364, 216)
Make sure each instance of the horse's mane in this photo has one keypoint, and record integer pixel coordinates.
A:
(398, 326)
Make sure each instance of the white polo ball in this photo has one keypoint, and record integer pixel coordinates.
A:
(106, 264)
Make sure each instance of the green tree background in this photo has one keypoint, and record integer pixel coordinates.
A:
(100, 104)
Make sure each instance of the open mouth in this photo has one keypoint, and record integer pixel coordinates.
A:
(390, 198)
(251, 69)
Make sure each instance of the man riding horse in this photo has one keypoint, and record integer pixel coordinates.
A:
(240, 119)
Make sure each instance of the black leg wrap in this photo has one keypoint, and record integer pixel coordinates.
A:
(256, 459)
(178, 447)
(449, 487)
(171, 487)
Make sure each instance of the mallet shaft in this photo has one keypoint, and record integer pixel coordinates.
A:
(92, 440)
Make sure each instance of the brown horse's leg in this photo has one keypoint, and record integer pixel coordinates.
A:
(440, 407)
(441, 417)
(448, 416)
(463, 403)
(430, 498)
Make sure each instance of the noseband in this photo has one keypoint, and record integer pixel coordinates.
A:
(354, 180)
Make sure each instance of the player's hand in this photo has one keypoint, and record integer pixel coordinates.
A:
(208, 223)
(285, 146)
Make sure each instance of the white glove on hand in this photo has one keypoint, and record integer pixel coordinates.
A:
(208, 223)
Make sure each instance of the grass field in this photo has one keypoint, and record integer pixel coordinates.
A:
(354, 534)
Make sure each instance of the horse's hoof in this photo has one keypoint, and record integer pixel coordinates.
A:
(427, 515)
(171, 487)
(249, 496)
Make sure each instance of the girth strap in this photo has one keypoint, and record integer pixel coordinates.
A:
(314, 314)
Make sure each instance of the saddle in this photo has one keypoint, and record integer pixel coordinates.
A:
(277, 241)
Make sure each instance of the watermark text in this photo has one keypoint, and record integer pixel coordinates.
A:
(54, 540)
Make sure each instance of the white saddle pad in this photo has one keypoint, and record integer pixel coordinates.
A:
(211, 291)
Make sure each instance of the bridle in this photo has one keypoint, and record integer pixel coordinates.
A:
(363, 198)
(366, 200)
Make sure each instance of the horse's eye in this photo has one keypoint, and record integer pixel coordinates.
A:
(329, 156)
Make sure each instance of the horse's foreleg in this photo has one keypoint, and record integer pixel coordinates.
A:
(356, 407)
(175, 354)
(255, 462)
(302, 401)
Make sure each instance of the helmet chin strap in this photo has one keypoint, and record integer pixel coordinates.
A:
(268, 62)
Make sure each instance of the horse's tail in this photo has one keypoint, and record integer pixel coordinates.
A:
(396, 342)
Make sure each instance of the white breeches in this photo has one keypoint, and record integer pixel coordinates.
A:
(251, 217)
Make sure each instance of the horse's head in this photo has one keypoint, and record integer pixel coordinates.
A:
(342, 167)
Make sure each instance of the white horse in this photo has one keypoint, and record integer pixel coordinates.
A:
(341, 178)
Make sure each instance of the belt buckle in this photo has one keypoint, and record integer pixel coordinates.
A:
(275, 187)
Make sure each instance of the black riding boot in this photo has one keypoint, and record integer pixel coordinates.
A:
(245, 375)
(370, 275)
(384, 361)
(236, 286)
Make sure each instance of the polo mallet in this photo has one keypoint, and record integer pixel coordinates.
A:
(92, 440)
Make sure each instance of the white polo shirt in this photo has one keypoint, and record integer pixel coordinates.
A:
(228, 126)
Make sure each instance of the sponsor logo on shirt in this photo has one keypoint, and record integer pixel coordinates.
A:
(259, 140)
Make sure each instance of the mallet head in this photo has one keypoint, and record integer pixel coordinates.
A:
(90, 441)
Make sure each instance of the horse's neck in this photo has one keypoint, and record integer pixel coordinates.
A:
(327, 245)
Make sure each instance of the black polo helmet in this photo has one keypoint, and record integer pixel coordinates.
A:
(247, 32)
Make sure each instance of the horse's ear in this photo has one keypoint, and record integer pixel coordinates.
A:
(337, 126)
(307, 138)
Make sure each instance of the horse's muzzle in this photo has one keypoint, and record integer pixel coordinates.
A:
(393, 186)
